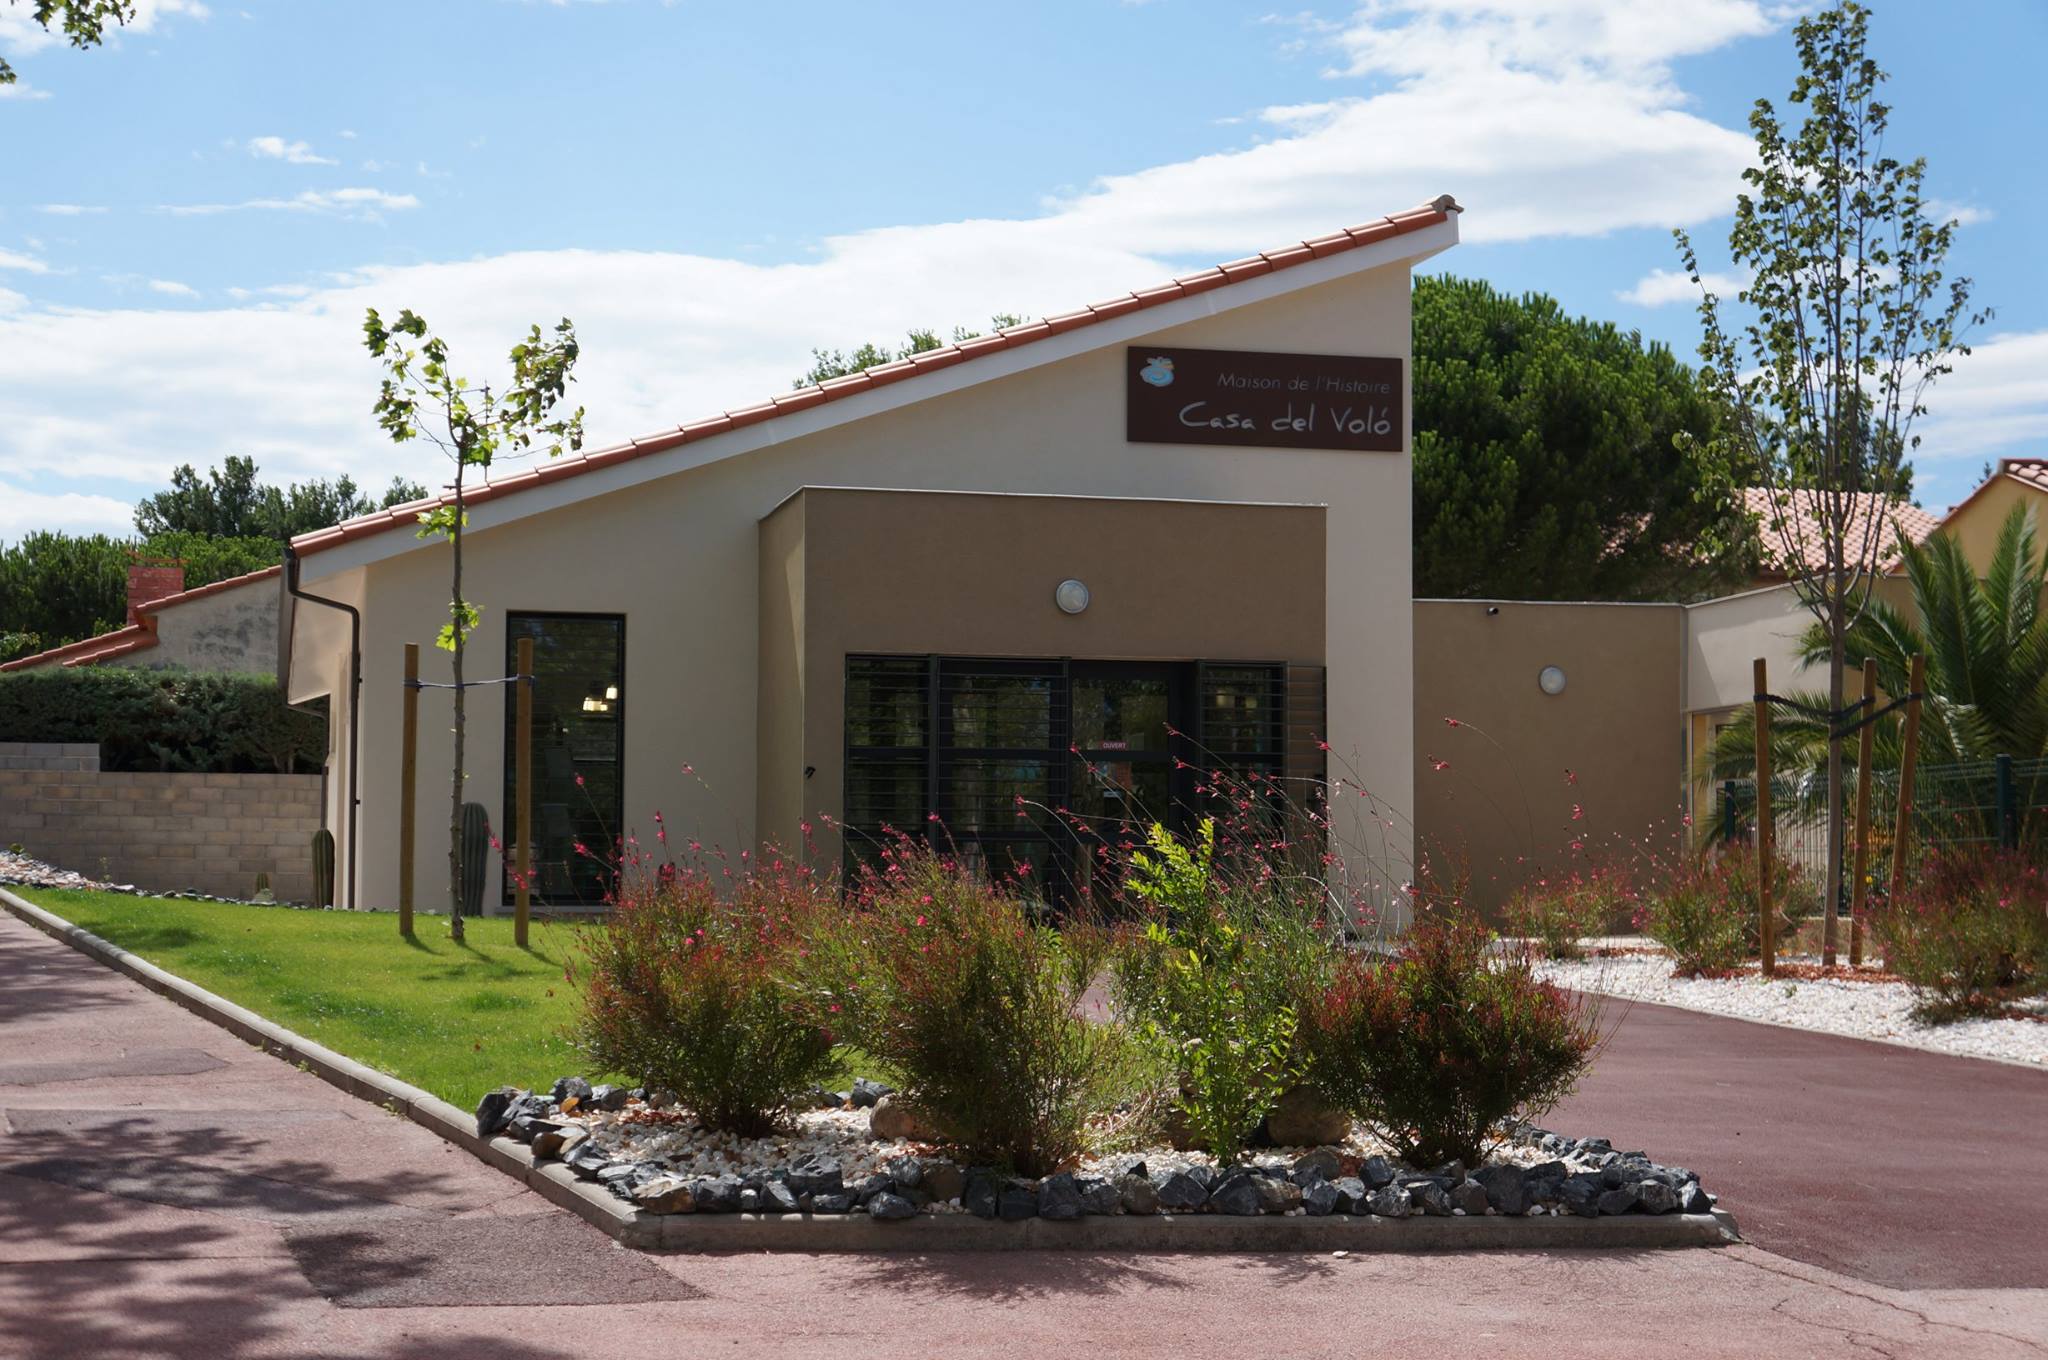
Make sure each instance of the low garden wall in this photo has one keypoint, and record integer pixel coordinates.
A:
(206, 833)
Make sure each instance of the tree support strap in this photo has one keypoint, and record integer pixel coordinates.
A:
(467, 684)
(1831, 717)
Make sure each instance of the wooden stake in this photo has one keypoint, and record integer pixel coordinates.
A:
(522, 852)
(1902, 830)
(408, 769)
(1859, 893)
(1767, 929)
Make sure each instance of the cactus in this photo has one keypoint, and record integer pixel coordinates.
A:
(263, 892)
(323, 868)
(476, 848)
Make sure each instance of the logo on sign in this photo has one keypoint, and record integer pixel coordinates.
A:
(1158, 372)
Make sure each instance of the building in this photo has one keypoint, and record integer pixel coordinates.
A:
(1041, 569)
(1976, 520)
(227, 626)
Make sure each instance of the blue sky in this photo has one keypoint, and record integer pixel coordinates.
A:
(193, 217)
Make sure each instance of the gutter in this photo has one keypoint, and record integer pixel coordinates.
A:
(355, 694)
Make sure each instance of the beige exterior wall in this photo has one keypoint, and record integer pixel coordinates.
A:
(209, 833)
(1976, 521)
(681, 558)
(973, 575)
(230, 631)
(1501, 808)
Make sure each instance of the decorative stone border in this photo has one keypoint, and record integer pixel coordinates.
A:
(637, 1228)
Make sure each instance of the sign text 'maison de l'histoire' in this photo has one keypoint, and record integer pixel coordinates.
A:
(1296, 401)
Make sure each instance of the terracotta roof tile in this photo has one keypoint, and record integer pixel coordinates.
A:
(1294, 253)
(1916, 524)
(2032, 471)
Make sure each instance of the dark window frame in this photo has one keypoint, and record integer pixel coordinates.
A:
(506, 830)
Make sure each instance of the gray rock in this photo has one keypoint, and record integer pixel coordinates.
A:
(1692, 1199)
(1616, 1201)
(840, 1203)
(1239, 1194)
(1301, 1119)
(944, 1180)
(666, 1195)
(608, 1097)
(1376, 1172)
(660, 1098)
(750, 1201)
(1507, 1188)
(621, 1177)
(907, 1172)
(1321, 1164)
(1430, 1197)
(587, 1159)
(566, 1087)
(891, 1206)
(1116, 1168)
(866, 1093)
(1277, 1196)
(557, 1141)
(1450, 1173)
(1179, 1191)
(1098, 1195)
(1059, 1197)
(981, 1194)
(527, 1127)
(1137, 1194)
(1206, 1176)
(1389, 1201)
(816, 1175)
(1470, 1196)
(1319, 1198)
(1018, 1200)
(867, 1187)
(822, 1099)
(1655, 1197)
(492, 1112)
(1350, 1192)
(1581, 1194)
(718, 1194)
(892, 1118)
(778, 1198)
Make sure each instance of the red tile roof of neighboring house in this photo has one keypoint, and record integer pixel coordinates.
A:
(135, 637)
(2032, 471)
(930, 361)
(1916, 524)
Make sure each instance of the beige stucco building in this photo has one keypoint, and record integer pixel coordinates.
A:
(1014, 574)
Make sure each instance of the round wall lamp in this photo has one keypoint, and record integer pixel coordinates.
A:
(1550, 679)
(1071, 596)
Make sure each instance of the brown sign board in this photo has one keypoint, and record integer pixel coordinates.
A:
(1286, 401)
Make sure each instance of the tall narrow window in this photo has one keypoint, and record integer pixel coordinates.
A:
(579, 730)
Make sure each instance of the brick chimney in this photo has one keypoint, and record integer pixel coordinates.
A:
(152, 580)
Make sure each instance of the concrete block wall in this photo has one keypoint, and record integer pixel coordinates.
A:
(49, 755)
(209, 833)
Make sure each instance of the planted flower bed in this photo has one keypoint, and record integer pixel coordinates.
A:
(838, 1159)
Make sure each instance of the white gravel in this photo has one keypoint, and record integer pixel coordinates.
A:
(26, 871)
(1860, 1010)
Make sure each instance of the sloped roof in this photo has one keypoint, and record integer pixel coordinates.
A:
(2031, 471)
(1916, 524)
(931, 361)
(134, 637)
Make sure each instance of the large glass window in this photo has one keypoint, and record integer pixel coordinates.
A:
(579, 729)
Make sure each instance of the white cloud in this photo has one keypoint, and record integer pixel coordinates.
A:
(21, 36)
(27, 264)
(357, 203)
(68, 209)
(22, 510)
(1662, 287)
(1962, 214)
(172, 288)
(1996, 401)
(278, 149)
(21, 89)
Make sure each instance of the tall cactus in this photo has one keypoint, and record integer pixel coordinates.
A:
(476, 848)
(323, 868)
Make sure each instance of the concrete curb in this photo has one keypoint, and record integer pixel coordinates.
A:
(636, 1228)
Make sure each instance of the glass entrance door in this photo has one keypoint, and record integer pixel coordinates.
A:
(1124, 776)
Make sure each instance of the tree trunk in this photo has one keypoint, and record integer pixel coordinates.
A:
(1838, 642)
(455, 616)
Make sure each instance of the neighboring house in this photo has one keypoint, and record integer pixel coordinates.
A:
(1976, 520)
(228, 626)
(1805, 535)
(979, 583)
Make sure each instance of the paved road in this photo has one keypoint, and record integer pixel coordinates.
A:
(166, 1191)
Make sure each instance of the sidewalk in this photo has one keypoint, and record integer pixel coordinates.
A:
(166, 1191)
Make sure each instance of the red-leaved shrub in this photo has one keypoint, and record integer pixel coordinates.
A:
(1970, 932)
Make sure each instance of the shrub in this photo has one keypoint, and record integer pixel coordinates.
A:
(1707, 914)
(1560, 912)
(974, 1008)
(1216, 978)
(1433, 1048)
(1970, 933)
(164, 720)
(692, 984)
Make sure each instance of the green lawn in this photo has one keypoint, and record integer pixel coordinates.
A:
(454, 1019)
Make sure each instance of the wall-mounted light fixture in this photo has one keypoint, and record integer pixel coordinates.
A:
(1071, 596)
(1550, 679)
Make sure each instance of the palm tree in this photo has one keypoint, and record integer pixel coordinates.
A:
(1986, 644)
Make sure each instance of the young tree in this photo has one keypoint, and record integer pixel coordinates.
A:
(421, 397)
(1851, 322)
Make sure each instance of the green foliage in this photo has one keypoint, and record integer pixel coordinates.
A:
(1215, 980)
(1986, 643)
(692, 984)
(829, 364)
(65, 587)
(18, 644)
(1708, 914)
(975, 1008)
(230, 503)
(82, 22)
(1559, 911)
(1970, 933)
(163, 720)
(1434, 1048)
(1558, 457)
